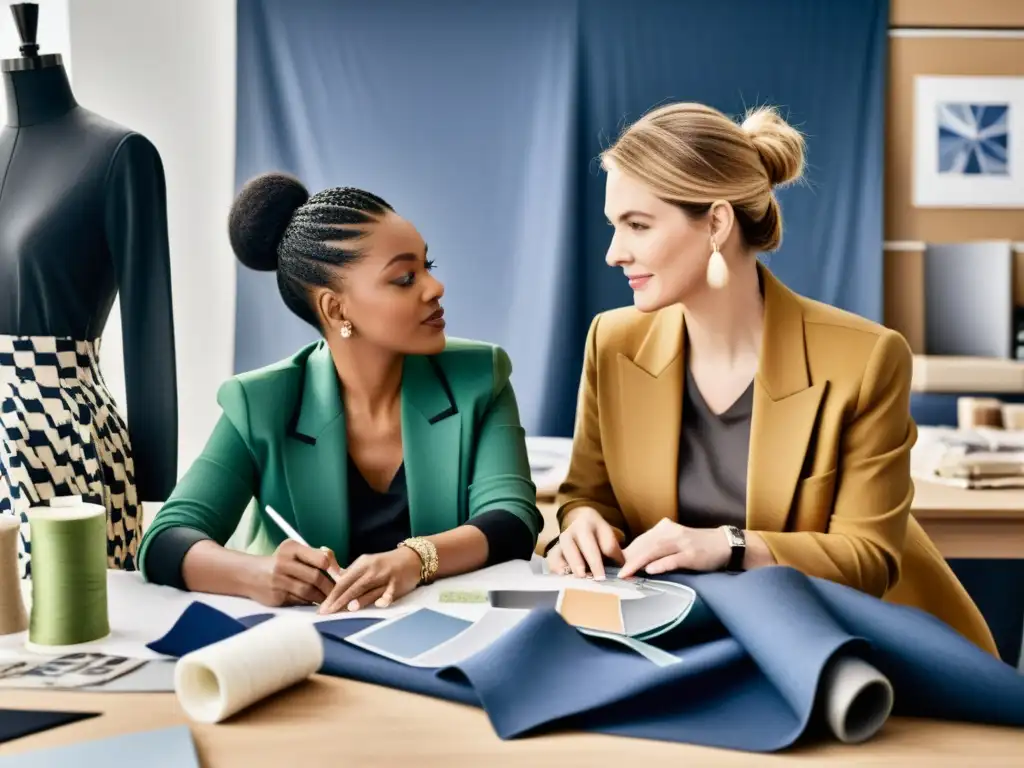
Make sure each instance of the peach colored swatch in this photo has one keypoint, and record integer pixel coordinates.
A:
(592, 610)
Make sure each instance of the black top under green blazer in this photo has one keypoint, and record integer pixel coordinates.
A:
(282, 440)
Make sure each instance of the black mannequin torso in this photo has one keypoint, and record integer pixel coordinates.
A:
(83, 218)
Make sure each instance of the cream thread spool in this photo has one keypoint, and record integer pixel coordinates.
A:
(215, 682)
(13, 616)
(69, 576)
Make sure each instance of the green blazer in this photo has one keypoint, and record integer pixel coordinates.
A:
(282, 440)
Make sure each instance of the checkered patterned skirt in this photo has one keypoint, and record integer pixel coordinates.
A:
(61, 435)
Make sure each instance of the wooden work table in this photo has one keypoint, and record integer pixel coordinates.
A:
(985, 524)
(329, 721)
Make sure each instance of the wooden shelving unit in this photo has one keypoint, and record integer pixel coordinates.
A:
(936, 373)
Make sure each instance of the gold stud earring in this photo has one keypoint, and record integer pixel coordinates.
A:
(718, 270)
(346, 329)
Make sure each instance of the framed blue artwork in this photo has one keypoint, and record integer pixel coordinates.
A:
(969, 142)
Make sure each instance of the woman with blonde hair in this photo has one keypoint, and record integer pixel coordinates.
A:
(725, 422)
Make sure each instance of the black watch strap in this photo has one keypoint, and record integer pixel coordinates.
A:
(738, 542)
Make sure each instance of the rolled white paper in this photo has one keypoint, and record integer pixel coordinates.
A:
(858, 699)
(215, 682)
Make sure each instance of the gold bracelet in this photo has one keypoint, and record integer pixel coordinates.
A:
(427, 553)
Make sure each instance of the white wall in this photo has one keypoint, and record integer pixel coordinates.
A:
(167, 70)
(52, 34)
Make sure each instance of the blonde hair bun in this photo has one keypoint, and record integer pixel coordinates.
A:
(693, 154)
(780, 146)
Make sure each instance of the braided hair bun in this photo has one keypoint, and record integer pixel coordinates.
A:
(260, 215)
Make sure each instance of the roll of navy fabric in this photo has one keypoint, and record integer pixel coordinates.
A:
(780, 629)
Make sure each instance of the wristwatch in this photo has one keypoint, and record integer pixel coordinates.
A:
(738, 542)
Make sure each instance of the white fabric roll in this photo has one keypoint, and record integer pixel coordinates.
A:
(215, 682)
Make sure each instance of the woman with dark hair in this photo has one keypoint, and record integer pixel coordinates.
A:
(395, 454)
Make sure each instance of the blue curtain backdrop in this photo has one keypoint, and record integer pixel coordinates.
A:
(481, 122)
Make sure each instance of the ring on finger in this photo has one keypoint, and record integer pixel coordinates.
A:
(566, 570)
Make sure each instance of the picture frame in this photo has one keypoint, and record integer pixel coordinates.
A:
(968, 142)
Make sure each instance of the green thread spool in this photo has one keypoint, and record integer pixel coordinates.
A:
(69, 576)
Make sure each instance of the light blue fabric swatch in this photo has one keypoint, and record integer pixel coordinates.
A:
(160, 748)
(414, 634)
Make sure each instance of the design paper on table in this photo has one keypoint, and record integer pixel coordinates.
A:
(156, 676)
(427, 638)
(71, 670)
(627, 587)
(514, 574)
(650, 652)
(15, 723)
(141, 612)
(657, 612)
(161, 748)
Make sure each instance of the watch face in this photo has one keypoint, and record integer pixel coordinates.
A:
(735, 537)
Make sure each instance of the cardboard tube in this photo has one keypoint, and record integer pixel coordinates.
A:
(857, 699)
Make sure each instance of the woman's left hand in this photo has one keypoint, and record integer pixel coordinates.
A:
(669, 546)
(377, 579)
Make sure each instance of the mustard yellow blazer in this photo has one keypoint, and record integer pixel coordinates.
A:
(828, 478)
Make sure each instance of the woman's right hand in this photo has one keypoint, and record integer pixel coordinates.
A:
(583, 546)
(294, 575)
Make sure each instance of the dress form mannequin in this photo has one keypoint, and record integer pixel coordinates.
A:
(82, 219)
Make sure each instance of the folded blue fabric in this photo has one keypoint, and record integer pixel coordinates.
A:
(753, 687)
(15, 723)
(200, 625)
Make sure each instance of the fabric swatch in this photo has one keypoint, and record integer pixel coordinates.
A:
(523, 599)
(413, 634)
(160, 748)
(198, 626)
(15, 723)
(601, 611)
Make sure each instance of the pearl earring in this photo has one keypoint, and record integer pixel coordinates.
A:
(346, 329)
(718, 270)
